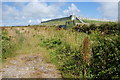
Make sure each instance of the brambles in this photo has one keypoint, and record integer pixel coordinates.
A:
(69, 59)
(81, 63)
(105, 60)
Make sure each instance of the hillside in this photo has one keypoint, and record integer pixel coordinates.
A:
(62, 21)
(45, 52)
(59, 21)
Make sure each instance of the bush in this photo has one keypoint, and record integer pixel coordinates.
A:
(71, 58)
(110, 28)
(68, 58)
(7, 47)
(105, 61)
(93, 27)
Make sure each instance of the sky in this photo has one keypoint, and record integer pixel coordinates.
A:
(25, 13)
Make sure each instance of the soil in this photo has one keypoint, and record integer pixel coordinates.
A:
(29, 66)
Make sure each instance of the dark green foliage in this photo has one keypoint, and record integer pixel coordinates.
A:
(108, 28)
(71, 59)
(102, 27)
(63, 49)
(105, 61)
(51, 43)
(6, 44)
(93, 27)
(113, 28)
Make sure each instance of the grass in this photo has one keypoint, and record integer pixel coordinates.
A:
(22, 43)
(93, 21)
(64, 48)
(61, 21)
(29, 42)
(71, 44)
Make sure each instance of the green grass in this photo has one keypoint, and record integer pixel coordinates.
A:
(63, 54)
(60, 21)
(54, 23)
(93, 21)
(68, 55)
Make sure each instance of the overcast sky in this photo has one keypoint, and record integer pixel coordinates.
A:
(24, 13)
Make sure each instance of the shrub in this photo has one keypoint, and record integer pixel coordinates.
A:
(105, 61)
(71, 60)
(7, 47)
(93, 27)
(110, 28)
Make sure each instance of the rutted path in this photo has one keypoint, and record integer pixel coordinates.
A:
(29, 66)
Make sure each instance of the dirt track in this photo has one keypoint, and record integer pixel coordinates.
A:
(29, 66)
(31, 62)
